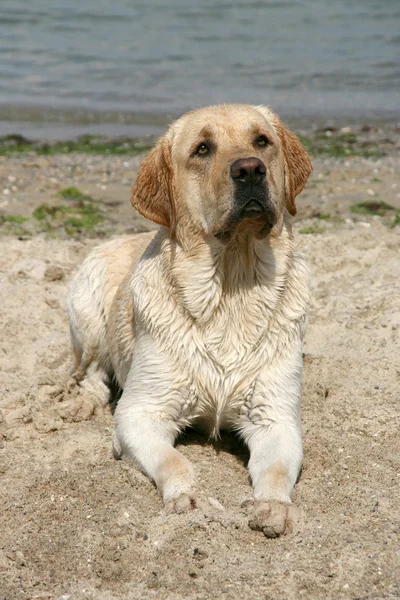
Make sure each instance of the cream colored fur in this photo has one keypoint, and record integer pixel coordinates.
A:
(200, 331)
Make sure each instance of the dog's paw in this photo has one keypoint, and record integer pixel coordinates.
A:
(273, 518)
(192, 501)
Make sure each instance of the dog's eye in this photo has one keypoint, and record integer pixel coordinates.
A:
(202, 149)
(262, 141)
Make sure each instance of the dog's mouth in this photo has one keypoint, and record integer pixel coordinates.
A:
(255, 216)
(253, 209)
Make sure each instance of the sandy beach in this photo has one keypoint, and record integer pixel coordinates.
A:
(76, 524)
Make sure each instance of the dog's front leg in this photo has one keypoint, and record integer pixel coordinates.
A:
(153, 409)
(275, 462)
(271, 428)
(148, 439)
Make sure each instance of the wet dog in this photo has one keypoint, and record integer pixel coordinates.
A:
(202, 323)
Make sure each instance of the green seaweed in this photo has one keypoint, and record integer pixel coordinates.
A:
(88, 144)
(312, 229)
(339, 146)
(396, 220)
(47, 211)
(79, 216)
(13, 225)
(371, 207)
(72, 193)
(18, 219)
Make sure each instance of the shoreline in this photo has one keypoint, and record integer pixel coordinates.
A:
(330, 138)
(49, 123)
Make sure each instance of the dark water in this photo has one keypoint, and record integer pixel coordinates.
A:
(83, 61)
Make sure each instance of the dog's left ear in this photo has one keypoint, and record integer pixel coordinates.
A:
(152, 192)
(297, 165)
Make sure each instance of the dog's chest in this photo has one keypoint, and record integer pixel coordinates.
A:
(209, 345)
(216, 342)
(235, 328)
(222, 358)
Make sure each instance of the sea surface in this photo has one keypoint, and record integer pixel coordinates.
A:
(68, 66)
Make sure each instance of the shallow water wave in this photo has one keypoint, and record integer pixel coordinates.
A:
(311, 57)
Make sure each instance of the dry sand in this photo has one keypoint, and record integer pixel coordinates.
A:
(77, 524)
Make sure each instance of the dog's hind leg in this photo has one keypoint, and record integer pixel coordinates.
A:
(97, 382)
(89, 373)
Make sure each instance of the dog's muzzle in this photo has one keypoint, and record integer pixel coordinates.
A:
(251, 196)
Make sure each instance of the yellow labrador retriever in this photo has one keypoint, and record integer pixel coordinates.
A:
(202, 323)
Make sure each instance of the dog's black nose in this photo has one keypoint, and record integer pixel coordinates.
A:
(248, 170)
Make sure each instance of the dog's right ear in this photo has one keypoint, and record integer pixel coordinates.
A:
(152, 192)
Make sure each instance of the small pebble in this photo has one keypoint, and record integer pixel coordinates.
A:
(52, 302)
(53, 273)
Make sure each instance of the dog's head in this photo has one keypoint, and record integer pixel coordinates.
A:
(222, 169)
